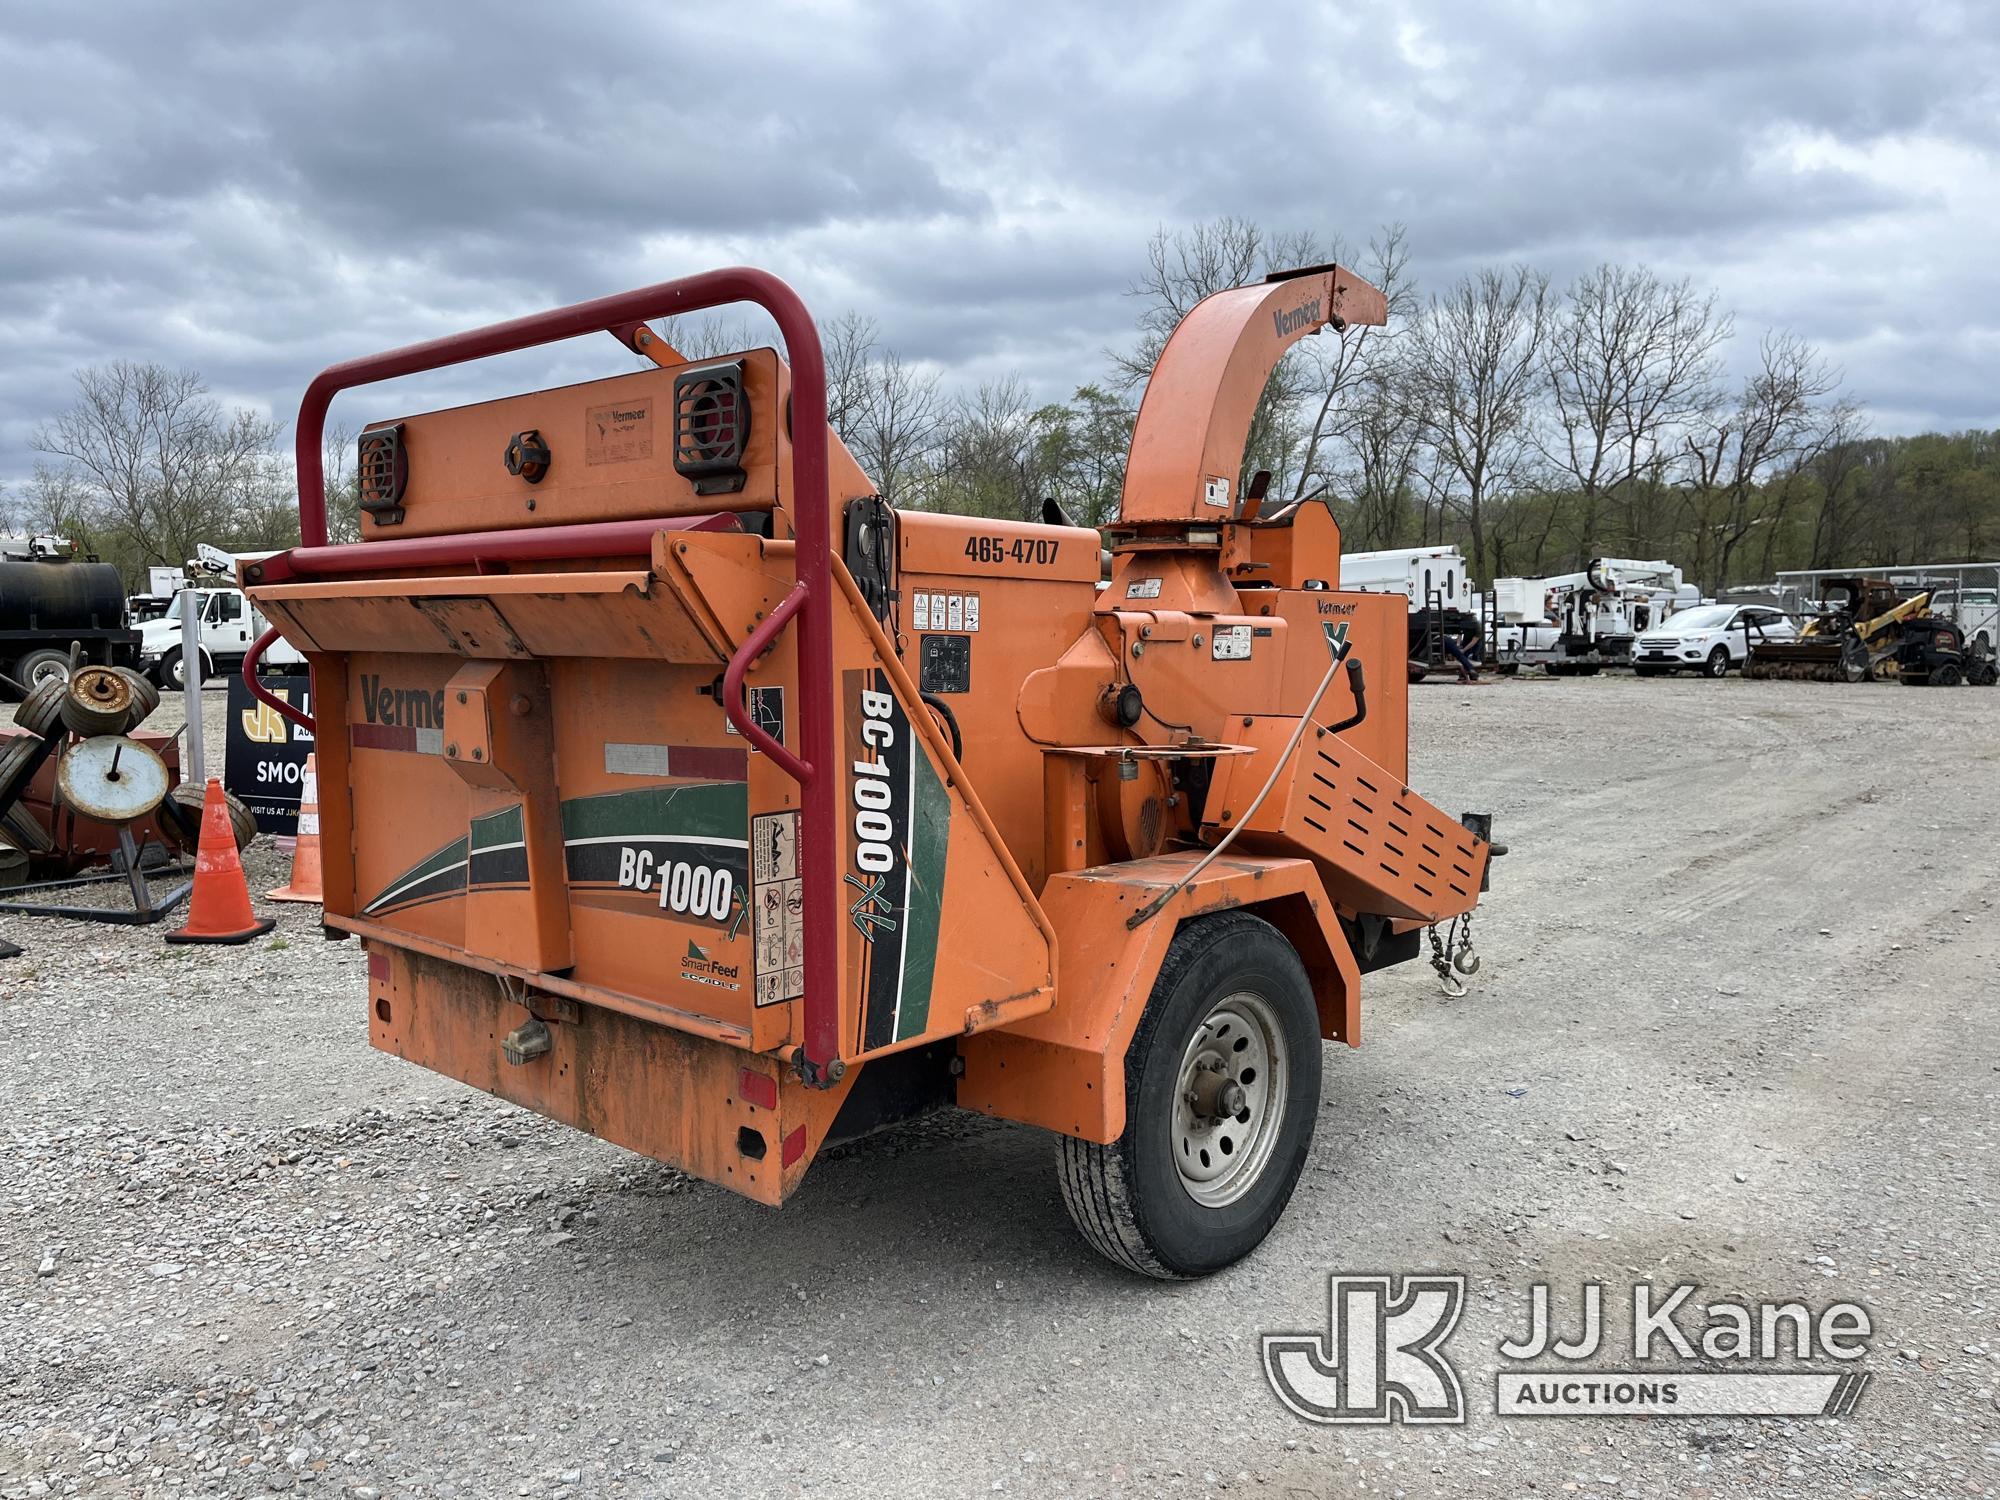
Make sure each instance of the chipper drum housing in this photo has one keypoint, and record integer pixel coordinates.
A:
(682, 789)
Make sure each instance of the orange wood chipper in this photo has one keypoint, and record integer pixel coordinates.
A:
(682, 789)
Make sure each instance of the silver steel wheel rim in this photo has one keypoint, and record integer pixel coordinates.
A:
(47, 671)
(1221, 1155)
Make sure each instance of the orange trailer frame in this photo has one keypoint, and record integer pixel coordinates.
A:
(638, 716)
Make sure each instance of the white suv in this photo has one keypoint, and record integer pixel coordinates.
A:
(1709, 639)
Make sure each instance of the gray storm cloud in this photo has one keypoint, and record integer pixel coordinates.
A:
(256, 191)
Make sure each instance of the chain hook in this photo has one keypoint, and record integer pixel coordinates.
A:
(1453, 956)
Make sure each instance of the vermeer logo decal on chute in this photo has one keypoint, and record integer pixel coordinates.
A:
(1291, 320)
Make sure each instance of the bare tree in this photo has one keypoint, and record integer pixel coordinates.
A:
(163, 465)
(1735, 448)
(339, 468)
(895, 427)
(1380, 438)
(991, 460)
(851, 343)
(1474, 365)
(1342, 363)
(1628, 358)
(697, 337)
(58, 503)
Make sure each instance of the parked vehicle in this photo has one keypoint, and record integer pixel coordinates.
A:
(1436, 583)
(1976, 612)
(1709, 639)
(1576, 624)
(52, 603)
(229, 623)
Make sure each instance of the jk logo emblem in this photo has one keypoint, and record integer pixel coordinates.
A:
(262, 724)
(1381, 1358)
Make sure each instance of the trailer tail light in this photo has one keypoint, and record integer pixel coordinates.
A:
(382, 469)
(711, 427)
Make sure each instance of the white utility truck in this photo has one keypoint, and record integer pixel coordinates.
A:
(229, 623)
(1438, 585)
(1576, 624)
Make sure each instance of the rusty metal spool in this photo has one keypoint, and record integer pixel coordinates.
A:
(112, 779)
(145, 697)
(180, 818)
(42, 710)
(100, 701)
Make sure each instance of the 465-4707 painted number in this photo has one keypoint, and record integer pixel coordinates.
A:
(1021, 549)
(686, 888)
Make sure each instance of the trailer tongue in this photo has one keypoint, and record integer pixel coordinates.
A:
(683, 790)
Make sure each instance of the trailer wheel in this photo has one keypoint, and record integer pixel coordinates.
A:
(1717, 664)
(1222, 1093)
(38, 667)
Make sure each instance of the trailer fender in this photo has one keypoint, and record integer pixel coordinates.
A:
(1064, 1070)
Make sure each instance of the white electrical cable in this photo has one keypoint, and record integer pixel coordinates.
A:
(1284, 759)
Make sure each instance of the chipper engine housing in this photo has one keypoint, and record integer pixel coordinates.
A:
(682, 789)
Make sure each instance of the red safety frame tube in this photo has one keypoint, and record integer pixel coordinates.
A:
(810, 602)
(251, 660)
(476, 550)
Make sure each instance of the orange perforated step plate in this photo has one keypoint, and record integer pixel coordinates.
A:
(1381, 848)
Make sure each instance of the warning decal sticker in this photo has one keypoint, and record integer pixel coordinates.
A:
(777, 908)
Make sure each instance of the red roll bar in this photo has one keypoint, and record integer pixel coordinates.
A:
(810, 601)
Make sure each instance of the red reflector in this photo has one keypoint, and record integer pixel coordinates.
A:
(795, 1145)
(760, 1089)
(378, 966)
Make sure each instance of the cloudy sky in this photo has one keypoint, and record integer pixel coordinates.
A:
(255, 190)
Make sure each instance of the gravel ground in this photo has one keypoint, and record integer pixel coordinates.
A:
(1731, 1030)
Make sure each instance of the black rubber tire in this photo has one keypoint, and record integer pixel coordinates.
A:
(42, 712)
(1946, 674)
(1127, 1198)
(34, 662)
(180, 817)
(1717, 664)
(168, 672)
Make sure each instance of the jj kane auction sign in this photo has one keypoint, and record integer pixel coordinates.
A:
(266, 755)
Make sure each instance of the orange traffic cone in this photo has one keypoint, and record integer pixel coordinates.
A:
(220, 909)
(305, 884)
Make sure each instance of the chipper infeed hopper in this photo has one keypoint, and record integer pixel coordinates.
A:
(681, 789)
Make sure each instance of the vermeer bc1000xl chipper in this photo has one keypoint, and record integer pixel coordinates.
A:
(683, 790)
